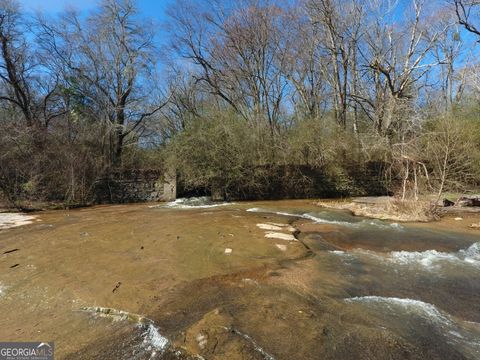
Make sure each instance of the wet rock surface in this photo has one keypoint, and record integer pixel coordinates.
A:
(346, 288)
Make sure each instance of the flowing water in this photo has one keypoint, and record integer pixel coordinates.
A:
(194, 279)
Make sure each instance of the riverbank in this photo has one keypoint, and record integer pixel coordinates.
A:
(36, 206)
(386, 208)
(466, 219)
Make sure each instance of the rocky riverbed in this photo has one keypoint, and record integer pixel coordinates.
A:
(262, 280)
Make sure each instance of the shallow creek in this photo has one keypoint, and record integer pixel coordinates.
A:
(257, 280)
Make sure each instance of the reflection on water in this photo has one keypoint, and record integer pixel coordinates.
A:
(264, 280)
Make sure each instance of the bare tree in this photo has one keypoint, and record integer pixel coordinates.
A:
(306, 63)
(32, 91)
(396, 61)
(446, 51)
(108, 61)
(468, 14)
(187, 103)
(238, 51)
(327, 14)
(450, 149)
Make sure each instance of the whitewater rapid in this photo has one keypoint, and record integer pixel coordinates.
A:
(431, 260)
(317, 218)
(464, 334)
(202, 202)
(153, 341)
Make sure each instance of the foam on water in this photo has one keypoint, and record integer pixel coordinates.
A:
(319, 220)
(202, 202)
(11, 220)
(153, 341)
(153, 338)
(410, 305)
(302, 216)
(471, 254)
(431, 260)
(459, 333)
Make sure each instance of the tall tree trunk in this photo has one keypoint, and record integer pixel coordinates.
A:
(119, 136)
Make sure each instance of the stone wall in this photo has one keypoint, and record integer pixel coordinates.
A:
(300, 182)
(136, 186)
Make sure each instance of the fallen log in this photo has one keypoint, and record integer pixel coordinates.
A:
(468, 201)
